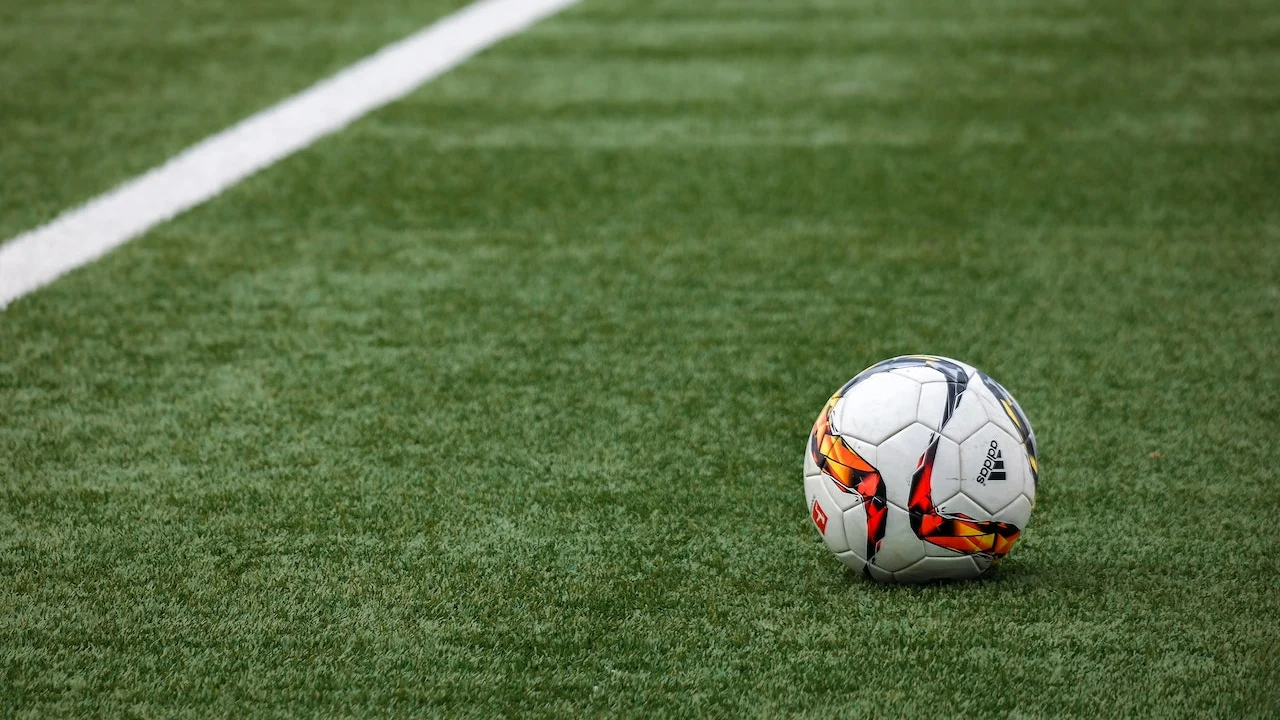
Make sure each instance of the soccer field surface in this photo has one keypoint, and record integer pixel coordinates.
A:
(494, 403)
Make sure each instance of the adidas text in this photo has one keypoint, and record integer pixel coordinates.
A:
(992, 466)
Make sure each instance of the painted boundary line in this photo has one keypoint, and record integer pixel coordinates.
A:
(84, 234)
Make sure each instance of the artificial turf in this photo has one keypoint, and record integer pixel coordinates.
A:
(494, 403)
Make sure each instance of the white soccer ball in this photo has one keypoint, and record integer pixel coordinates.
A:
(921, 468)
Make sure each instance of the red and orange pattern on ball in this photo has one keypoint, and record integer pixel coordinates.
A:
(956, 531)
(850, 471)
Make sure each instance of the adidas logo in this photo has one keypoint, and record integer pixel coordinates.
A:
(992, 466)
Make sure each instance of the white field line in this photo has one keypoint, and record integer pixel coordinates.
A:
(84, 234)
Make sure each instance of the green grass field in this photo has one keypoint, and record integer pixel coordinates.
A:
(494, 404)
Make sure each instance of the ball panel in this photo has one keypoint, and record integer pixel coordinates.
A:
(931, 550)
(939, 568)
(899, 456)
(879, 574)
(865, 450)
(1009, 405)
(971, 370)
(825, 514)
(1009, 415)
(920, 374)
(855, 528)
(810, 467)
(852, 561)
(982, 562)
(876, 408)
(992, 467)
(1016, 513)
(1029, 452)
(900, 547)
(946, 471)
(961, 504)
(958, 504)
(995, 411)
(843, 500)
(969, 416)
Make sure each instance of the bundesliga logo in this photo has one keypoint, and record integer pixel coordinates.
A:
(819, 517)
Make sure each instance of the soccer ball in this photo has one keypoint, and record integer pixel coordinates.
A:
(921, 468)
